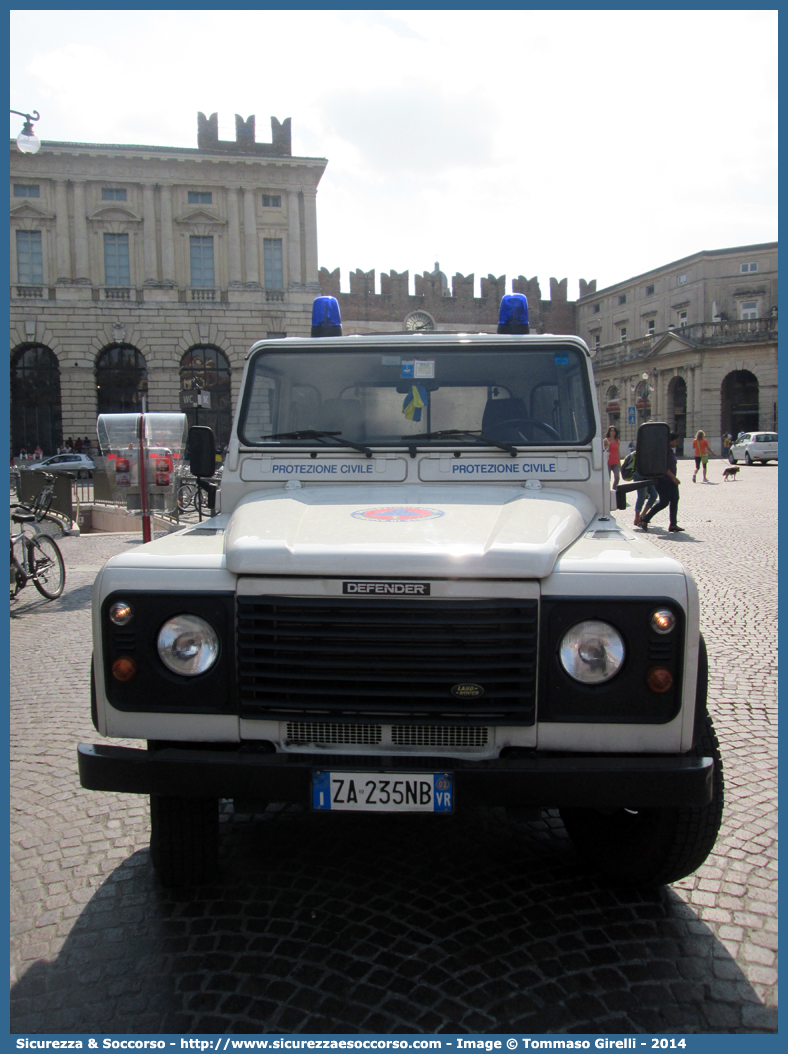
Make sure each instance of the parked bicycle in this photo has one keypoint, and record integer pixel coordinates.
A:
(39, 561)
(190, 497)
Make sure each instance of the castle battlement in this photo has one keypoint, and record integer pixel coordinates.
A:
(460, 306)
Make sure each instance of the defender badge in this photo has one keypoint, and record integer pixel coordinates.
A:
(468, 691)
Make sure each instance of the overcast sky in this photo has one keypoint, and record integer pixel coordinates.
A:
(572, 144)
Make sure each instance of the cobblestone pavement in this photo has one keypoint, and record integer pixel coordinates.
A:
(361, 924)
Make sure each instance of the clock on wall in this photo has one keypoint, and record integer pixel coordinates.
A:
(418, 322)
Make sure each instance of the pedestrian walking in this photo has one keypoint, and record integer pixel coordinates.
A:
(667, 491)
(647, 496)
(700, 445)
(612, 446)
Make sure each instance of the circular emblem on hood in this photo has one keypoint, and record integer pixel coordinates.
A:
(468, 691)
(397, 514)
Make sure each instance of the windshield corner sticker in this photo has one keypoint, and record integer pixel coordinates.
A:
(397, 514)
(562, 360)
(424, 368)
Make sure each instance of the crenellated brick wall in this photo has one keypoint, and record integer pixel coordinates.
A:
(461, 308)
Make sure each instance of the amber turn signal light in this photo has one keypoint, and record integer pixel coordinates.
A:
(124, 669)
(659, 679)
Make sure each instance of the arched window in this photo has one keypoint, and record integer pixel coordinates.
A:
(121, 380)
(740, 403)
(613, 406)
(35, 400)
(206, 368)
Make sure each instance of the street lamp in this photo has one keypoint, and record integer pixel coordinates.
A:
(27, 140)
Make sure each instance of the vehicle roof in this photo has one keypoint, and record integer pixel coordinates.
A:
(415, 341)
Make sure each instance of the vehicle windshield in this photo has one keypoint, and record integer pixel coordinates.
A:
(527, 396)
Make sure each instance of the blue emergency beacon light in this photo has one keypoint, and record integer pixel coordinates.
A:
(326, 320)
(513, 316)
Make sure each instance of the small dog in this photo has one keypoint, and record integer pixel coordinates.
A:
(730, 474)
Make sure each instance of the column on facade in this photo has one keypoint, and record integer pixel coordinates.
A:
(310, 235)
(250, 238)
(149, 233)
(295, 263)
(698, 395)
(61, 231)
(167, 238)
(660, 393)
(234, 237)
(81, 232)
(691, 429)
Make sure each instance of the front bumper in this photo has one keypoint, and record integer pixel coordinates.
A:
(600, 781)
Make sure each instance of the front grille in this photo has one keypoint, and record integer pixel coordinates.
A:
(376, 661)
(300, 733)
(438, 736)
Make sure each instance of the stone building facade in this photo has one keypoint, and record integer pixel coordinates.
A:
(693, 343)
(142, 271)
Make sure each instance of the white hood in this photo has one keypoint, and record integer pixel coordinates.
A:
(441, 530)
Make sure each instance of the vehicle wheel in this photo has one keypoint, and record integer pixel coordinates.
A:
(46, 561)
(184, 839)
(747, 458)
(732, 459)
(651, 846)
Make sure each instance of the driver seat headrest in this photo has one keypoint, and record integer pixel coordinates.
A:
(498, 410)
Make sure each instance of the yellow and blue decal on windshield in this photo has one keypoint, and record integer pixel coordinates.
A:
(397, 514)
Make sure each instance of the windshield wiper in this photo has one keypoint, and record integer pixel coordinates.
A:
(312, 433)
(475, 433)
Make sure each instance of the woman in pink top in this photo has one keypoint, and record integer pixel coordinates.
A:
(611, 445)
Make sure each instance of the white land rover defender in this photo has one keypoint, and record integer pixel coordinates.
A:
(412, 597)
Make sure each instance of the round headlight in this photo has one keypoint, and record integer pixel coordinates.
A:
(188, 645)
(592, 652)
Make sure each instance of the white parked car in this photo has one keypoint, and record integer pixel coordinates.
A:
(754, 446)
(74, 464)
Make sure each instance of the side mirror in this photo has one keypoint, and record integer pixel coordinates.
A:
(652, 443)
(202, 451)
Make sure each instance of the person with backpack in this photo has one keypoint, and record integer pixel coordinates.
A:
(668, 491)
(645, 495)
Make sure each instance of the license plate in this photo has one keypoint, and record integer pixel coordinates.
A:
(382, 791)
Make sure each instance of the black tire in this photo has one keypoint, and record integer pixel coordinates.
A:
(184, 839)
(732, 459)
(651, 846)
(747, 458)
(45, 561)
